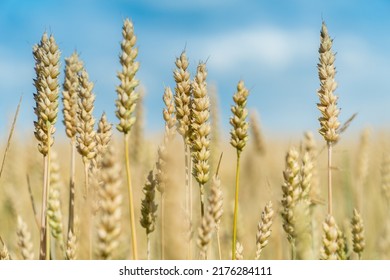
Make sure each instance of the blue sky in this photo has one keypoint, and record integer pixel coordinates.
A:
(271, 45)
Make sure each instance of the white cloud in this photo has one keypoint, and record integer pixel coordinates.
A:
(268, 46)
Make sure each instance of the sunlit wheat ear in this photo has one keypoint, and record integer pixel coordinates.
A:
(342, 251)
(200, 125)
(306, 177)
(127, 97)
(183, 97)
(239, 137)
(239, 251)
(54, 211)
(24, 240)
(205, 232)
(239, 132)
(46, 55)
(86, 143)
(71, 247)
(330, 245)
(103, 138)
(358, 239)
(73, 67)
(258, 139)
(291, 193)
(4, 253)
(328, 102)
(264, 229)
(110, 216)
(149, 208)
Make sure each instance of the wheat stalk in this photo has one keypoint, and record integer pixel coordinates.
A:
(46, 55)
(328, 102)
(239, 137)
(73, 67)
(125, 104)
(85, 138)
(183, 99)
(164, 157)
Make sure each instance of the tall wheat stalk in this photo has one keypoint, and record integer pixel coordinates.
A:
(46, 55)
(183, 112)
(164, 155)
(85, 139)
(239, 137)
(328, 102)
(125, 104)
(73, 67)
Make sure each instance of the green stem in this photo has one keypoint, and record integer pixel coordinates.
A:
(131, 204)
(236, 207)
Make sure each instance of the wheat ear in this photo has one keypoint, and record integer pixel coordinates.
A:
(258, 139)
(109, 223)
(291, 194)
(264, 229)
(239, 137)
(4, 253)
(357, 233)
(47, 56)
(149, 209)
(24, 240)
(200, 142)
(330, 245)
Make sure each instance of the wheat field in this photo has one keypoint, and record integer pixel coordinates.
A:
(105, 190)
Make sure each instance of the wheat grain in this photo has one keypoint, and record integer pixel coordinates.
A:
(264, 229)
(109, 223)
(24, 240)
(329, 240)
(358, 239)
